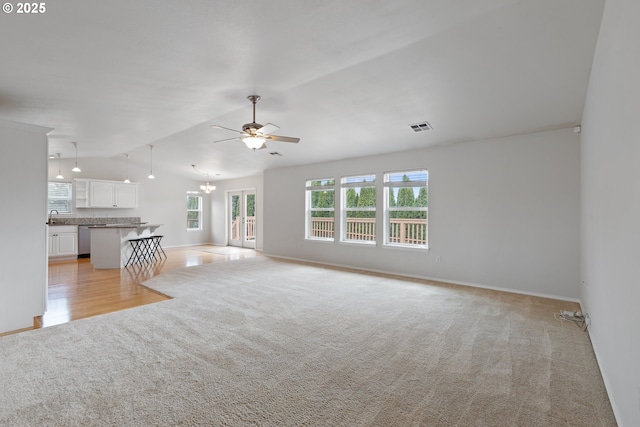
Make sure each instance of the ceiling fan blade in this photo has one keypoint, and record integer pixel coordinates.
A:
(222, 127)
(228, 139)
(268, 128)
(282, 138)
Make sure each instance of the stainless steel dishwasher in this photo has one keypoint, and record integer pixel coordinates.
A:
(84, 240)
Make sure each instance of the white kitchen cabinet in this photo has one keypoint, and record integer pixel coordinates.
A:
(93, 193)
(101, 194)
(125, 195)
(63, 241)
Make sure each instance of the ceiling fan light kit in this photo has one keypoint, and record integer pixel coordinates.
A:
(253, 134)
(253, 142)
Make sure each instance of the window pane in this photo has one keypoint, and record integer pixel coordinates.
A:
(60, 196)
(411, 176)
(193, 202)
(320, 207)
(361, 178)
(194, 211)
(406, 212)
(251, 205)
(360, 197)
(322, 199)
(321, 182)
(359, 208)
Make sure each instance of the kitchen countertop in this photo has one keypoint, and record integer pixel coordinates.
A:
(59, 220)
(129, 225)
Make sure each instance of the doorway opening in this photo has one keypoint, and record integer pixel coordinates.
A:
(242, 218)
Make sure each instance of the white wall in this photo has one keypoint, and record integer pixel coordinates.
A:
(503, 213)
(219, 208)
(23, 251)
(161, 201)
(610, 209)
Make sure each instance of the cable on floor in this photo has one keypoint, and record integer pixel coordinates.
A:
(575, 317)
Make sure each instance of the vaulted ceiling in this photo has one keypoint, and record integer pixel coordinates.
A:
(345, 76)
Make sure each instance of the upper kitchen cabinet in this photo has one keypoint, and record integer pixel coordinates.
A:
(94, 193)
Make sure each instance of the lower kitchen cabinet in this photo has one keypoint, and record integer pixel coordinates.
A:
(63, 241)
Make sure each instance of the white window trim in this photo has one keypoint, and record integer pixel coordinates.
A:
(386, 210)
(344, 186)
(309, 210)
(70, 212)
(197, 194)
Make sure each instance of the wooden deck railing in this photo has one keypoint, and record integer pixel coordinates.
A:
(251, 228)
(401, 230)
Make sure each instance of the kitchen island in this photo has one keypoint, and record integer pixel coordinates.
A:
(110, 246)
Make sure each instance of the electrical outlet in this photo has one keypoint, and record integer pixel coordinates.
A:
(438, 259)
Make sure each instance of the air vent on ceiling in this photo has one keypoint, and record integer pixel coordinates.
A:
(275, 153)
(422, 126)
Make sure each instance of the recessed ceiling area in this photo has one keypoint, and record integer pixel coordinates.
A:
(118, 76)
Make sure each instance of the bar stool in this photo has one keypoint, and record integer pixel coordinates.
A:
(156, 248)
(138, 252)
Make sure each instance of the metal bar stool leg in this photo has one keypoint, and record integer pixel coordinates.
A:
(153, 242)
(159, 238)
(136, 251)
(147, 249)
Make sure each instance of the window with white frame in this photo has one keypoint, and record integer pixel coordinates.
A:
(358, 208)
(320, 209)
(60, 197)
(194, 210)
(406, 208)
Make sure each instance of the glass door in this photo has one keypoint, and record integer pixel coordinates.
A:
(242, 218)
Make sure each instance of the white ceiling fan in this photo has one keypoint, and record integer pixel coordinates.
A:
(253, 134)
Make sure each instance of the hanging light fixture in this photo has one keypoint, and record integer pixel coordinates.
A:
(126, 180)
(207, 188)
(151, 162)
(76, 168)
(59, 168)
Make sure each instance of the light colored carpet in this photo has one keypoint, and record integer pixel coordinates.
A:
(266, 342)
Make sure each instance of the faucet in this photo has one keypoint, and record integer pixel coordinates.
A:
(51, 213)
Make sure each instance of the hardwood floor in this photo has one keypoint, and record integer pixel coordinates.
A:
(77, 290)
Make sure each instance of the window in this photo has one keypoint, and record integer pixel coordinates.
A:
(60, 196)
(359, 208)
(194, 210)
(406, 207)
(320, 201)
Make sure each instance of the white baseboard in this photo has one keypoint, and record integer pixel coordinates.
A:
(605, 378)
(435, 279)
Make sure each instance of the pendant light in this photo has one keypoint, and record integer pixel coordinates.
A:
(151, 162)
(59, 168)
(76, 168)
(126, 180)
